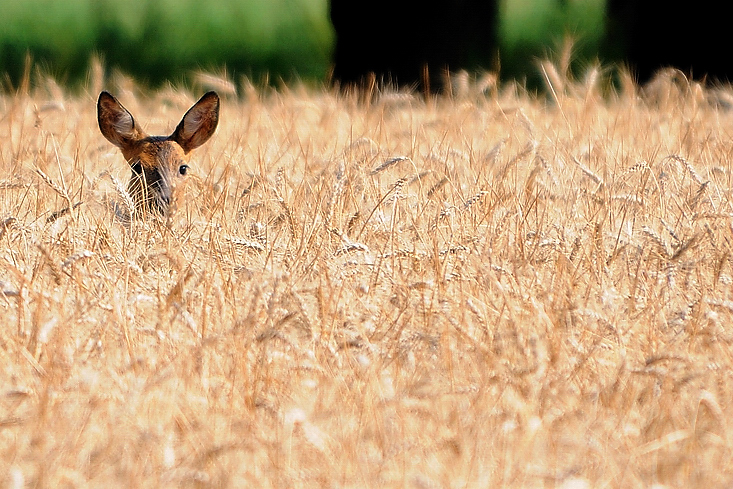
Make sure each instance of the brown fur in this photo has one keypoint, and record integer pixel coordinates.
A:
(159, 163)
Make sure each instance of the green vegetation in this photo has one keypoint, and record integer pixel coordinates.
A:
(537, 29)
(160, 40)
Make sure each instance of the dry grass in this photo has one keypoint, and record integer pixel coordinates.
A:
(488, 290)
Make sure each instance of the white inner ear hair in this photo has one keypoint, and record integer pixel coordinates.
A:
(192, 122)
(123, 123)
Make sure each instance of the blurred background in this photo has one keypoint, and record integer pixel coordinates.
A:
(406, 42)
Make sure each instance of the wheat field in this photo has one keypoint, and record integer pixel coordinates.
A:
(484, 289)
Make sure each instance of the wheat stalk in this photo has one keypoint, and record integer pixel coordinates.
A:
(388, 163)
(122, 193)
(690, 170)
(395, 335)
(56, 188)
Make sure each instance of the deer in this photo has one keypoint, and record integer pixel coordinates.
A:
(159, 164)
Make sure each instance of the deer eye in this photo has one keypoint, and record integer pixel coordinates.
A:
(183, 169)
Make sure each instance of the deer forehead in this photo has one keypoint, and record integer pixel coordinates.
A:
(157, 153)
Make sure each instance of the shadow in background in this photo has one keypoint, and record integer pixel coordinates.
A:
(653, 34)
(411, 42)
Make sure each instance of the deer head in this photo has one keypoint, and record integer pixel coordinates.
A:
(159, 163)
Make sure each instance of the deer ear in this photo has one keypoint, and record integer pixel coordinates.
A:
(199, 123)
(116, 122)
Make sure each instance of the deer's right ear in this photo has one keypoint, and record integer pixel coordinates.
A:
(116, 122)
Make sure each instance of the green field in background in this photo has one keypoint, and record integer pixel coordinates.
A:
(165, 40)
(159, 40)
(531, 30)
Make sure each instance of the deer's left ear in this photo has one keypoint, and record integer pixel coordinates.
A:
(199, 123)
